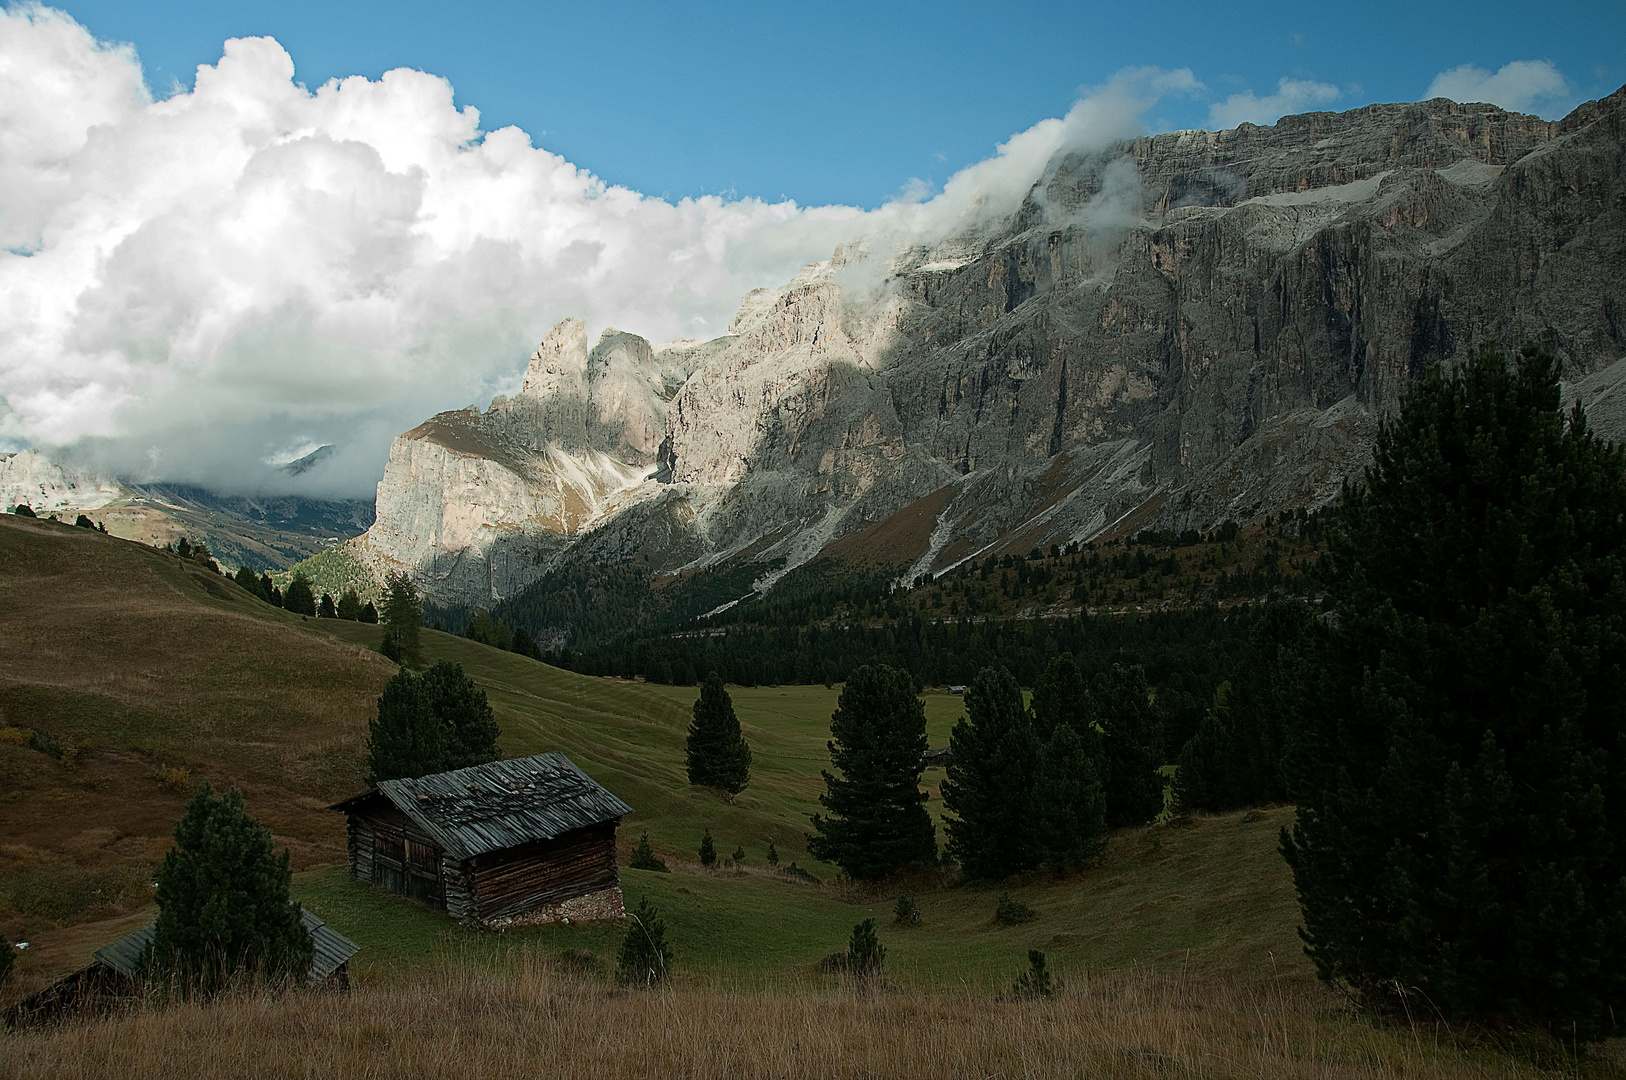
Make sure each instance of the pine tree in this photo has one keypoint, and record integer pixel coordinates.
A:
(299, 598)
(1457, 760)
(251, 584)
(1061, 697)
(461, 707)
(1070, 802)
(326, 609)
(644, 857)
(773, 855)
(269, 592)
(223, 904)
(877, 821)
(708, 850)
(989, 788)
(430, 723)
(349, 606)
(645, 958)
(716, 753)
(1134, 745)
(403, 616)
(1235, 757)
(369, 613)
(865, 953)
(525, 645)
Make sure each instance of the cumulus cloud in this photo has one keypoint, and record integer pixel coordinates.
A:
(1527, 86)
(196, 286)
(1291, 96)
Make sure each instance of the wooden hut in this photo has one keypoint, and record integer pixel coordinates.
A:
(493, 843)
(113, 978)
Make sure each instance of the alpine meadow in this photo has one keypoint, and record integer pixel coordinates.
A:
(1141, 596)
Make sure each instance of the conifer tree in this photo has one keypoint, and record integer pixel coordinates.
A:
(349, 606)
(1457, 761)
(1134, 745)
(525, 645)
(430, 723)
(1061, 697)
(251, 584)
(644, 857)
(708, 850)
(645, 958)
(326, 609)
(989, 788)
(1069, 802)
(369, 613)
(24, 510)
(223, 903)
(716, 753)
(298, 598)
(403, 616)
(1235, 757)
(269, 591)
(877, 822)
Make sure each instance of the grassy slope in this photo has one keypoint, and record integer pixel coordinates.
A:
(149, 660)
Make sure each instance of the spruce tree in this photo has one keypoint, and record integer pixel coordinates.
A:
(1069, 802)
(430, 723)
(299, 598)
(1061, 697)
(708, 850)
(349, 606)
(525, 645)
(269, 592)
(645, 958)
(1235, 757)
(716, 753)
(403, 616)
(877, 821)
(369, 613)
(989, 788)
(223, 904)
(1134, 745)
(251, 584)
(326, 609)
(1458, 761)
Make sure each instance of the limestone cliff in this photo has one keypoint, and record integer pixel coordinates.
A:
(1190, 327)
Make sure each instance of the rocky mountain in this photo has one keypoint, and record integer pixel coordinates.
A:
(1187, 328)
(265, 532)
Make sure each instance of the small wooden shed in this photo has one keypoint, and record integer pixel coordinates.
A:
(491, 843)
(113, 978)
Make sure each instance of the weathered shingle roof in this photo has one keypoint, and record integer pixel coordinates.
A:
(331, 949)
(500, 804)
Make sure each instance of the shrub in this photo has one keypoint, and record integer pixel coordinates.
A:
(174, 778)
(644, 857)
(796, 873)
(739, 856)
(906, 912)
(16, 736)
(1009, 912)
(645, 957)
(773, 855)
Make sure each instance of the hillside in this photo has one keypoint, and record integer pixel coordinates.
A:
(144, 663)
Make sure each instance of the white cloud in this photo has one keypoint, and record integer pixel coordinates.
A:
(197, 284)
(1527, 86)
(1291, 96)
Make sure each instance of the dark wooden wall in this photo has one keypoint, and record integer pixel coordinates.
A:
(387, 849)
(517, 879)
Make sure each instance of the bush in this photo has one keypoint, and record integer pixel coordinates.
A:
(773, 855)
(796, 873)
(906, 912)
(16, 736)
(865, 953)
(644, 857)
(645, 957)
(1010, 912)
(174, 778)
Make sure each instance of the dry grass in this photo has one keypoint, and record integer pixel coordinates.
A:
(533, 1019)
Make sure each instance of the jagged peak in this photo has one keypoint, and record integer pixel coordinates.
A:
(560, 361)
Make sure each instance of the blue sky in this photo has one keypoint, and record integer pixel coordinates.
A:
(847, 102)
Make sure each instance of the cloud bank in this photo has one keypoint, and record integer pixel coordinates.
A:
(1291, 96)
(197, 286)
(1527, 86)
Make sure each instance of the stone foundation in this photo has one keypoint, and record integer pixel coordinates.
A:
(600, 906)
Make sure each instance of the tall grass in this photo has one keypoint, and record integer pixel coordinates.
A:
(529, 1018)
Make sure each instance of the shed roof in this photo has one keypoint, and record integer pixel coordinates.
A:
(331, 949)
(500, 804)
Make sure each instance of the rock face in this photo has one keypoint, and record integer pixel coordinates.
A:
(1191, 327)
(28, 476)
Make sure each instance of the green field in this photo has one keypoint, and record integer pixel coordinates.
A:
(144, 661)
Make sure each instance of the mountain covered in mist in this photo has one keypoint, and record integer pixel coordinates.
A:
(1187, 328)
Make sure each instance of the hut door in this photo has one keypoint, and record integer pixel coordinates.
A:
(422, 873)
(388, 858)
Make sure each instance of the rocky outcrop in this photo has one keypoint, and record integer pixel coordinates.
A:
(28, 476)
(1191, 327)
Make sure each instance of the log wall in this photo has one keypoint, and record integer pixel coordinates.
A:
(508, 882)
